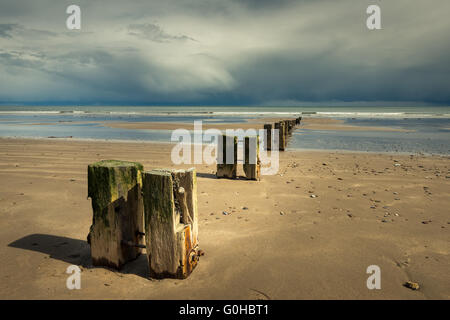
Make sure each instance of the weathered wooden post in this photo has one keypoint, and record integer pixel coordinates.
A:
(227, 157)
(171, 222)
(286, 131)
(268, 136)
(116, 234)
(288, 128)
(281, 135)
(252, 164)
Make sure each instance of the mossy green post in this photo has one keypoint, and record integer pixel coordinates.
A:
(171, 241)
(115, 189)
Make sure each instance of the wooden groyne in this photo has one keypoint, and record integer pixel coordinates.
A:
(115, 189)
(171, 222)
(285, 129)
(133, 209)
(227, 159)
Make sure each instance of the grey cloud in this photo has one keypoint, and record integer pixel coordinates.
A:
(10, 30)
(6, 29)
(154, 32)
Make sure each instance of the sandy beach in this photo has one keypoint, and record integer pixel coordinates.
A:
(277, 242)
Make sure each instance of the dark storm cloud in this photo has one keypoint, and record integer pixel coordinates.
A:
(225, 52)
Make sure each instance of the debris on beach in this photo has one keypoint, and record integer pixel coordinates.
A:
(225, 213)
(412, 285)
(313, 196)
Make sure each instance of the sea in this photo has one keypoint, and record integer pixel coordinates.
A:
(428, 127)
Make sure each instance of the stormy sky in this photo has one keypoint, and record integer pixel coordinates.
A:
(225, 52)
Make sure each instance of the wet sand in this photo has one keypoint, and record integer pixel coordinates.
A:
(369, 209)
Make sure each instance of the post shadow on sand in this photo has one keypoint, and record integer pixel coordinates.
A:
(206, 175)
(74, 251)
(214, 176)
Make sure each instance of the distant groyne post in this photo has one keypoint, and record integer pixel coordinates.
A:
(252, 163)
(227, 157)
(171, 222)
(268, 136)
(281, 135)
(116, 234)
(287, 124)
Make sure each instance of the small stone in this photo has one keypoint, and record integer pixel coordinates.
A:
(281, 213)
(384, 220)
(397, 164)
(244, 208)
(412, 285)
(225, 213)
(313, 196)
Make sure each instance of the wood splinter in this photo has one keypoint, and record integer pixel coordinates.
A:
(181, 197)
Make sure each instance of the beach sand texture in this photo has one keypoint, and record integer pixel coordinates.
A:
(277, 242)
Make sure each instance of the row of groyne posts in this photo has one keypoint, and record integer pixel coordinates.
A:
(157, 210)
(276, 136)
